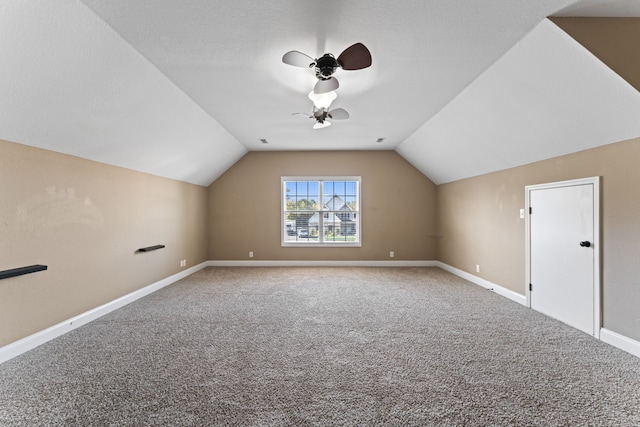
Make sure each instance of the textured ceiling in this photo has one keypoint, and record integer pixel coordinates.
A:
(533, 103)
(184, 89)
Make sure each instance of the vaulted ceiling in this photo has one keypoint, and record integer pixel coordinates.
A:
(185, 89)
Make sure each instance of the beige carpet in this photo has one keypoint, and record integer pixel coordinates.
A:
(322, 346)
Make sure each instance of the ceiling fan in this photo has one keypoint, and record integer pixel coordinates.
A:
(320, 115)
(355, 57)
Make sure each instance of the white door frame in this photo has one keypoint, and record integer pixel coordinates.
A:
(595, 181)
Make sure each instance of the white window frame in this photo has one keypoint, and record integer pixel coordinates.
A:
(321, 242)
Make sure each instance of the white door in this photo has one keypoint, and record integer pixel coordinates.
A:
(564, 252)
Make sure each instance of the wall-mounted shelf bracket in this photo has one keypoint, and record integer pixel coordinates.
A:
(151, 248)
(5, 274)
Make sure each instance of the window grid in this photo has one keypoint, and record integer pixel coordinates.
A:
(321, 211)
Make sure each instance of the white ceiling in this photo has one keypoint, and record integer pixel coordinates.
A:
(184, 89)
(533, 103)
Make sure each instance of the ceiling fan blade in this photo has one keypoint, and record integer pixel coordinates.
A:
(355, 57)
(339, 114)
(302, 114)
(298, 59)
(324, 86)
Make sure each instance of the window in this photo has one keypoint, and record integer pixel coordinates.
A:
(321, 211)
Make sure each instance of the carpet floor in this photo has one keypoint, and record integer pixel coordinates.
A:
(322, 346)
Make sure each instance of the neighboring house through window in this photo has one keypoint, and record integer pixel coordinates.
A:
(321, 211)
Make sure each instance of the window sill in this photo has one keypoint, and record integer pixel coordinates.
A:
(321, 245)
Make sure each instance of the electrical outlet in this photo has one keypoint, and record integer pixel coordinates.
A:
(477, 268)
(392, 254)
(250, 254)
(183, 263)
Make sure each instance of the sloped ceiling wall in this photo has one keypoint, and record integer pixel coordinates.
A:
(546, 97)
(54, 95)
(73, 81)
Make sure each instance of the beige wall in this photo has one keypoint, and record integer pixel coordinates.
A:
(398, 206)
(85, 221)
(613, 40)
(480, 224)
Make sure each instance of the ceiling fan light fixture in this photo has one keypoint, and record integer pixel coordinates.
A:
(324, 86)
(320, 125)
(322, 100)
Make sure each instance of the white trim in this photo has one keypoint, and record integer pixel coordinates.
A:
(595, 181)
(16, 348)
(328, 263)
(620, 341)
(22, 346)
(513, 296)
(320, 243)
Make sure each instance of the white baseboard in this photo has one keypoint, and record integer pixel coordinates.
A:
(620, 341)
(21, 346)
(521, 299)
(612, 338)
(32, 341)
(311, 263)
(513, 296)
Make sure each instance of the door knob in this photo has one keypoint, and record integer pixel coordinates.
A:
(585, 244)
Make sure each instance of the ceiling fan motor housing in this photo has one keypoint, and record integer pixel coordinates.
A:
(320, 114)
(326, 66)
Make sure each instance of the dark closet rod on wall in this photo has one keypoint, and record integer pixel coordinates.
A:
(5, 274)
(150, 248)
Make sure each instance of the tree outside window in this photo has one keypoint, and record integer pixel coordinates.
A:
(321, 211)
